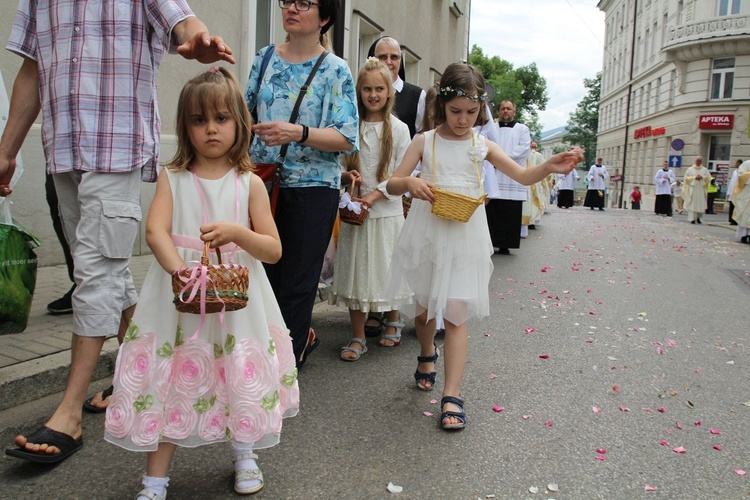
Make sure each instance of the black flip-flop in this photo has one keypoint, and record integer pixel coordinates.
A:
(374, 330)
(44, 435)
(87, 406)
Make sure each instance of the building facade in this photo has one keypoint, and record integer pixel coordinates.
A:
(432, 33)
(675, 85)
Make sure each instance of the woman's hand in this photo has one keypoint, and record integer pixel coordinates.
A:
(277, 133)
(350, 176)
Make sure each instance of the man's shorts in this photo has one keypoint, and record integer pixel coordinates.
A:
(100, 214)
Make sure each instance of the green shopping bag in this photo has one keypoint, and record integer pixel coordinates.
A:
(18, 265)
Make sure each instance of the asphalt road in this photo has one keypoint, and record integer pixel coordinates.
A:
(617, 348)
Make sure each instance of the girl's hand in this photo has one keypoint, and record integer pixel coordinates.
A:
(421, 189)
(564, 162)
(220, 233)
(372, 197)
(277, 133)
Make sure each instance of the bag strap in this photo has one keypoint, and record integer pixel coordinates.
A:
(302, 91)
(434, 170)
(264, 64)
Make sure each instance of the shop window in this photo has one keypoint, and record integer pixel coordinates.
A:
(729, 7)
(722, 78)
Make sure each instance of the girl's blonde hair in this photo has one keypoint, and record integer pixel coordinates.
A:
(211, 91)
(461, 80)
(386, 143)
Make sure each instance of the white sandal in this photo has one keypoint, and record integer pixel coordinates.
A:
(145, 492)
(247, 475)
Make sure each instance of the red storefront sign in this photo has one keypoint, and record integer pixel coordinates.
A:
(716, 122)
(642, 133)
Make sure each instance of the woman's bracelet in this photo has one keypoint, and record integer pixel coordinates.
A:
(305, 133)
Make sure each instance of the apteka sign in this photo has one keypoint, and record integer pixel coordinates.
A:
(721, 122)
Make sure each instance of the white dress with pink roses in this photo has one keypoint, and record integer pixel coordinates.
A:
(234, 378)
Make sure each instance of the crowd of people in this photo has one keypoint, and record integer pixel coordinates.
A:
(186, 379)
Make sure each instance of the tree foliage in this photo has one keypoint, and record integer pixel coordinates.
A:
(584, 121)
(523, 86)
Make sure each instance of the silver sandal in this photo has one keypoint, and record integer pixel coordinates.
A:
(150, 495)
(357, 352)
(247, 475)
(395, 337)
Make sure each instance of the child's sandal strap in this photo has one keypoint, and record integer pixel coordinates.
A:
(429, 359)
(245, 456)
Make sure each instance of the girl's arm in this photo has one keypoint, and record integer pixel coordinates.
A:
(159, 225)
(262, 242)
(561, 163)
(401, 181)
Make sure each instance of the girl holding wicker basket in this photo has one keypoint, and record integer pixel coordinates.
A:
(444, 251)
(187, 379)
(364, 251)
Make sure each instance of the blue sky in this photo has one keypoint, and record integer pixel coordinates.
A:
(563, 37)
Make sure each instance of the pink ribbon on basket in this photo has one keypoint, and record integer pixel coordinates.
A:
(199, 281)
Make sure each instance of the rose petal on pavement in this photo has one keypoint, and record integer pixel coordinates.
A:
(433, 401)
(526, 417)
(664, 443)
(661, 409)
(544, 356)
(428, 413)
(596, 410)
(678, 425)
(548, 424)
(600, 458)
(493, 376)
(624, 408)
(715, 431)
(529, 329)
(740, 472)
(718, 447)
(497, 408)
(601, 451)
(679, 449)
(648, 487)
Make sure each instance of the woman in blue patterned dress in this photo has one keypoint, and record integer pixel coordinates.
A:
(326, 127)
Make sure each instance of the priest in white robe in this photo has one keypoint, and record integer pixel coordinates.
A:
(695, 190)
(597, 178)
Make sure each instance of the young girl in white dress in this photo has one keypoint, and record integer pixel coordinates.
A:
(364, 252)
(447, 263)
(189, 379)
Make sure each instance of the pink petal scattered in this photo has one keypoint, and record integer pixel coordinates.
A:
(427, 413)
(593, 313)
(596, 410)
(656, 342)
(650, 488)
(588, 290)
(624, 408)
(544, 356)
(545, 269)
(529, 329)
(601, 451)
(616, 388)
(497, 408)
(574, 268)
(740, 472)
(647, 410)
(493, 376)
(697, 370)
(718, 447)
(660, 351)
(433, 401)
(678, 425)
(715, 431)
(697, 423)
(600, 458)
(664, 443)
(679, 449)
(661, 409)
(548, 424)
(526, 417)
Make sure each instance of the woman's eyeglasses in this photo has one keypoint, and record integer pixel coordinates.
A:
(301, 5)
(392, 57)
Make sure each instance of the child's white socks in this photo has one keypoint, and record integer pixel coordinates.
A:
(156, 485)
(245, 464)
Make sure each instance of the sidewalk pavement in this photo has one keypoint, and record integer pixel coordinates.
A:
(34, 364)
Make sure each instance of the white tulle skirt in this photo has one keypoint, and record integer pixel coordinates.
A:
(446, 263)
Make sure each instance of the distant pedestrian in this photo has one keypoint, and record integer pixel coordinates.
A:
(694, 190)
(730, 189)
(677, 195)
(711, 192)
(364, 252)
(448, 263)
(566, 189)
(663, 179)
(190, 379)
(635, 198)
(741, 197)
(597, 177)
